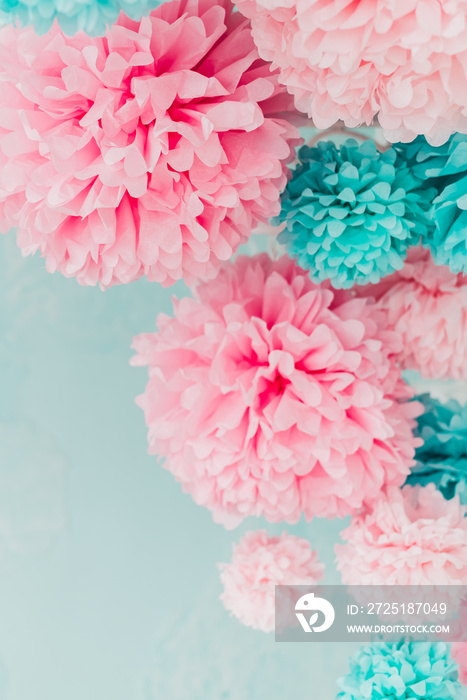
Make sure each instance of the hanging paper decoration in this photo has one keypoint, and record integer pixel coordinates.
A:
(427, 305)
(444, 167)
(404, 63)
(151, 151)
(441, 459)
(411, 536)
(402, 670)
(269, 395)
(259, 564)
(350, 213)
(90, 16)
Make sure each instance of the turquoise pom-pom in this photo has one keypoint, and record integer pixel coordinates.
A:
(432, 164)
(403, 671)
(449, 242)
(90, 16)
(350, 213)
(445, 168)
(442, 459)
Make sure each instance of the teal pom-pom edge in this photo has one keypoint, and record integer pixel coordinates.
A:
(442, 458)
(402, 671)
(444, 168)
(89, 16)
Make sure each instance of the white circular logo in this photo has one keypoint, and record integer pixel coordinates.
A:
(313, 606)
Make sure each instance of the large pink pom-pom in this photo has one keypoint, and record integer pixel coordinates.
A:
(459, 654)
(260, 563)
(412, 536)
(427, 305)
(270, 395)
(150, 151)
(404, 61)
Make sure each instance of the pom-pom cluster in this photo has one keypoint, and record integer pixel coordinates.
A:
(427, 305)
(411, 536)
(415, 671)
(259, 564)
(154, 150)
(441, 459)
(269, 395)
(90, 16)
(150, 151)
(402, 62)
(350, 213)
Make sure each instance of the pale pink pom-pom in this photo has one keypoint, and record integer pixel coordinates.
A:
(427, 305)
(402, 61)
(150, 151)
(271, 395)
(411, 536)
(459, 654)
(260, 563)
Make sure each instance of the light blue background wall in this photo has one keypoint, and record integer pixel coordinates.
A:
(108, 580)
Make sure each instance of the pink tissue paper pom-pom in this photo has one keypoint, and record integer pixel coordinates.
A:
(150, 151)
(402, 61)
(412, 536)
(260, 563)
(427, 305)
(272, 396)
(459, 654)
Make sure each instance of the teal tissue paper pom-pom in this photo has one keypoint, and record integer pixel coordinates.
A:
(432, 164)
(442, 459)
(350, 213)
(403, 670)
(90, 16)
(449, 242)
(445, 168)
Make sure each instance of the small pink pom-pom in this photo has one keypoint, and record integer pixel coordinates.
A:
(427, 305)
(259, 564)
(271, 395)
(150, 151)
(412, 536)
(403, 61)
(459, 654)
